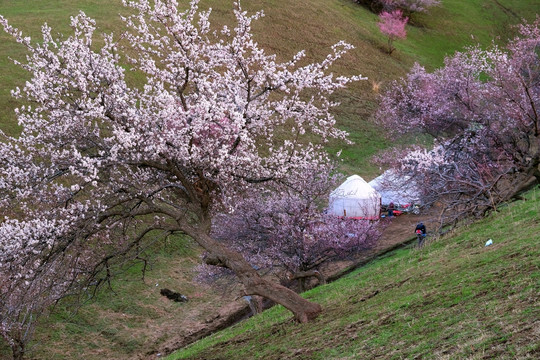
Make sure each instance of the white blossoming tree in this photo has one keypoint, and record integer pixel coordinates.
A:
(47, 249)
(216, 115)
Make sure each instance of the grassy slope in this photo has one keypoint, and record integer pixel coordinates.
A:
(453, 299)
(135, 317)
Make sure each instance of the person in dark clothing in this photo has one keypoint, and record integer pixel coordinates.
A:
(420, 233)
(391, 208)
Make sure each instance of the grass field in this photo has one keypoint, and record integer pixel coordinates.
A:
(131, 317)
(453, 299)
(134, 319)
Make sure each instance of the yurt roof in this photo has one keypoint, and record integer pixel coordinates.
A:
(355, 187)
(396, 188)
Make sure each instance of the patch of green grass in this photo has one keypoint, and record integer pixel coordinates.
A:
(455, 298)
(130, 317)
(448, 28)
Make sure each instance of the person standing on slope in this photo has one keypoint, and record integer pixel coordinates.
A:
(420, 233)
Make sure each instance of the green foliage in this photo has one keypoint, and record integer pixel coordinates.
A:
(455, 298)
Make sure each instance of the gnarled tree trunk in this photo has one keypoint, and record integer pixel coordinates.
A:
(18, 350)
(302, 275)
(254, 284)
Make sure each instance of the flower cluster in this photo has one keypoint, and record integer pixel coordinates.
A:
(287, 232)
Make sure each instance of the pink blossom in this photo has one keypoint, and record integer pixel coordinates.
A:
(285, 231)
(482, 110)
(392, 24)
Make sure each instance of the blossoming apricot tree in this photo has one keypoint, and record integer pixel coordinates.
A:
(216, 115)
(392, 25)
(286, 233)
(482, 109)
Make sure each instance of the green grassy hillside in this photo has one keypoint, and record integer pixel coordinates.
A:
(453, 299)
(134, 319)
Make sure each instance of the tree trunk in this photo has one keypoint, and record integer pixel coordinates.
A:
(525, 185)
(309, 273)
(390, 47)
(302, 275)
(254, 284)
(18, 351)
(258, 303)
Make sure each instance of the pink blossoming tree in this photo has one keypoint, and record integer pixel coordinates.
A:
(286, 233)
(216, 116)
(482, 108)
(32, 277)
(392, 25)
(48, 249)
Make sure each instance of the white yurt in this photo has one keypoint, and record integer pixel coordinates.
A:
(355, 198)
(396, 188)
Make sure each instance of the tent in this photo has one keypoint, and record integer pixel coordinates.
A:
(355, 198)
(396, 188)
